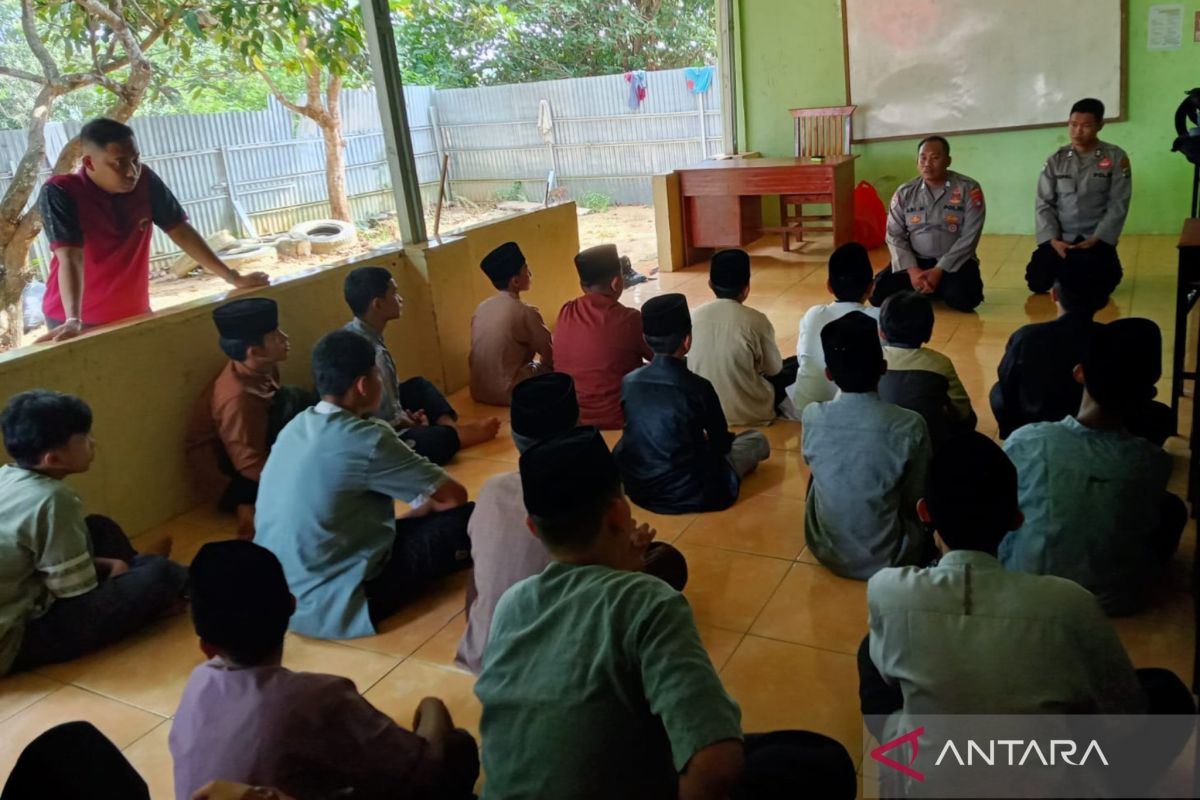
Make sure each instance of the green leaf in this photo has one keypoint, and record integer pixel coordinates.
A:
(193, 24)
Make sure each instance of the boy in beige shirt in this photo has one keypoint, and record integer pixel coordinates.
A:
(733, 346)
(507, 334)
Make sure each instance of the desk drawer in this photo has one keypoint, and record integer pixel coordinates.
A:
(803, 179)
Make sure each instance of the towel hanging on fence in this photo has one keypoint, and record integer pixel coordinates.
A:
(637, 87)
(698, 79)
(545, 122)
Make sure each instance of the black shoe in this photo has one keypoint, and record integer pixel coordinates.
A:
(629, 276)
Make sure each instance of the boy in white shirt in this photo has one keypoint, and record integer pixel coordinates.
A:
(849, 282)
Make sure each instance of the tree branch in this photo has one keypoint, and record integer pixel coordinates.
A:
(21, 74)
(28, 26)
(281, 97)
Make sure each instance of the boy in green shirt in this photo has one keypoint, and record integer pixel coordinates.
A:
(595, 683)
(69, 584)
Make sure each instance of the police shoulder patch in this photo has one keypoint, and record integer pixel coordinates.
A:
(1125, 166)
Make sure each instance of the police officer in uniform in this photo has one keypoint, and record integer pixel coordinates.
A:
(1082, 199)
(933, 228)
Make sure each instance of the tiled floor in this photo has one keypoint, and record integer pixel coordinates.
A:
(781, 629)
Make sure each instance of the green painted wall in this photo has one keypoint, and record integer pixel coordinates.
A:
(790, 55)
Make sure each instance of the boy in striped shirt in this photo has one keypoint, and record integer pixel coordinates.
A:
(69, 583)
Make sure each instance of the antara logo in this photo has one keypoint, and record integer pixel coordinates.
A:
(909, 738)
(1061, 751)
(1006, 752)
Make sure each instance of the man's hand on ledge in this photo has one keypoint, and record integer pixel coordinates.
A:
(249, 281)
(68, 330)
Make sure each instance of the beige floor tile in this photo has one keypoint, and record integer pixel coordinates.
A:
(668, 526)
(147, 670)
(121, 723)
(151, 757)
(402, 634)
(720, 644)
(728, 589)
(186, 537)
(441, 648)
(398, 694)
(781, 685)
(783, 474)
(1161, 636)
(817, 608)
(761, 524)
(474, 472)
(301, 654)
(18, 692)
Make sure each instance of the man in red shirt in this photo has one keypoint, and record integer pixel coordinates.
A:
(597, 341)
(99, 223)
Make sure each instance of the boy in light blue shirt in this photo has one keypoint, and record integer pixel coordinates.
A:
(1095, 496)
(326, 503)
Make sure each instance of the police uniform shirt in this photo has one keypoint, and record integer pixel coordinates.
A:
(1084, 194)
(942, 224)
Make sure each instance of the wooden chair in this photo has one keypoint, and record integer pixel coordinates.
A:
(819, 132)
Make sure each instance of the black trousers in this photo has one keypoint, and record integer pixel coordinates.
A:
(116, 608)
(74, 760)
(1165, 693)
(241, 491)
(438, 443)
(785, 378)
(961, 290)
(1044, 263)
(426, 548)
(795, 764)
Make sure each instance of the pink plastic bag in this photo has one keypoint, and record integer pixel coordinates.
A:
(870, 216)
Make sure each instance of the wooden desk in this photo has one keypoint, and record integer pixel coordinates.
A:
(722, 205)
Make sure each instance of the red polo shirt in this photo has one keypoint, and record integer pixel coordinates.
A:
(114, 231)
(598, 341)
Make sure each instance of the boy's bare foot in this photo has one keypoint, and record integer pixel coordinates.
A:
(245, 522)
(478, 432)
(160, 548)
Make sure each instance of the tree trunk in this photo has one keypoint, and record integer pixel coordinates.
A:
(335, 156)
(18, 227)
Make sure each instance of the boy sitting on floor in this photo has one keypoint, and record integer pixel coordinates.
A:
(850, 281)
(1036, 376)
(416, 408)
(69, 584)
(507, 334)
(598, 341)
(733, 346)
(242, 411)
(326, 508)
(1095, 497)
(677, 454)
(501, 547)
(970, 637)
(595, 683)
(918, 378)
(869, 460)
(245, 717)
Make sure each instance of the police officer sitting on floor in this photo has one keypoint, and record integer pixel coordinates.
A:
(1082, 199)
(933, 229)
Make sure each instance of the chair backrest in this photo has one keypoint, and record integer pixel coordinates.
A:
(823, 131)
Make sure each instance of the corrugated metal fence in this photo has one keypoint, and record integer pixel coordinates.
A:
(583, 130)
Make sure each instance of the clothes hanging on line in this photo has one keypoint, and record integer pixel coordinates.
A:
(698, 78)
(637, 87)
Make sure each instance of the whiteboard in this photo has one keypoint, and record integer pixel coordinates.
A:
(917, 67)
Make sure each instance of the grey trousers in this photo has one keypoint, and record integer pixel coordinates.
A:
(748, 450)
